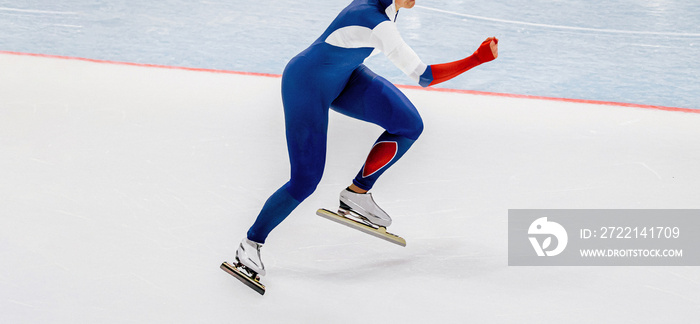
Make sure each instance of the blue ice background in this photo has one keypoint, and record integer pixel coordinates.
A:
(635, 51)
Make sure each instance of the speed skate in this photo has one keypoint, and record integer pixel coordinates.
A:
(357, 222)
(245, 275)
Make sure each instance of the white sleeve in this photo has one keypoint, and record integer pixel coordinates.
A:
(386, 38)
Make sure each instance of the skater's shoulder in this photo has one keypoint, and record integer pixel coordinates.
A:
(367, 13)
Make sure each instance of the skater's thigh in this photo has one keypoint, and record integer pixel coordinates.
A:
(370, 97)
(351, 101)
(306, 125)
(305, 112)
(306, 141)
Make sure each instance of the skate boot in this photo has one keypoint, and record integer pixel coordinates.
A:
(248, 255)
(364, 207)
(248, 267)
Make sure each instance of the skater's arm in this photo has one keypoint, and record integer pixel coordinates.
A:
(386, 38)
(438, 73)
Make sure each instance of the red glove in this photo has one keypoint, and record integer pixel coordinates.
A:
(487, 51)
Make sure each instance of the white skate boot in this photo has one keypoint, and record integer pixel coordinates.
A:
(248, 254)
(359, 211)
(248, 266)
(363, 206)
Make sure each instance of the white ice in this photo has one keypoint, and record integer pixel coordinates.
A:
(123, 188)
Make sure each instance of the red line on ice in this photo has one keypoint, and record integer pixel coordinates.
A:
(473, 92)
(139, 64)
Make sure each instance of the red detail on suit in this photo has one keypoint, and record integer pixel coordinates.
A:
(381, 154)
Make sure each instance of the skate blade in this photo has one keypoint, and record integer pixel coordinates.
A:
(354, 216)
(379, 232)
(249, 281)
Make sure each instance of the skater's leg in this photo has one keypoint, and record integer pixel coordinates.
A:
(276, 209)
(388, 149)
(307, 156)
(372, 98)
(306, 122)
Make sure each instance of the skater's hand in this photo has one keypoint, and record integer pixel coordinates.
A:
(488, 50)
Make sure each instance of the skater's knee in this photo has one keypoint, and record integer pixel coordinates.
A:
(405, 120)
(303, 184)
(416, 129)
(412, 128)
(301, 192)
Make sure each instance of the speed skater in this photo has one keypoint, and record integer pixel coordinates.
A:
(330, 74)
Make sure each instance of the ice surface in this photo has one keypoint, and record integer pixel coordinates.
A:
(124, 188)
(638, 51)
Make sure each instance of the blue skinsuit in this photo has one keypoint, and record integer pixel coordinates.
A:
(327, 76)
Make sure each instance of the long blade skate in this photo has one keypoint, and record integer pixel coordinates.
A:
(249, 279)
(379, 232)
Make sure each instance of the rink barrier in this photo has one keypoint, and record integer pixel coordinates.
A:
(271, 75)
